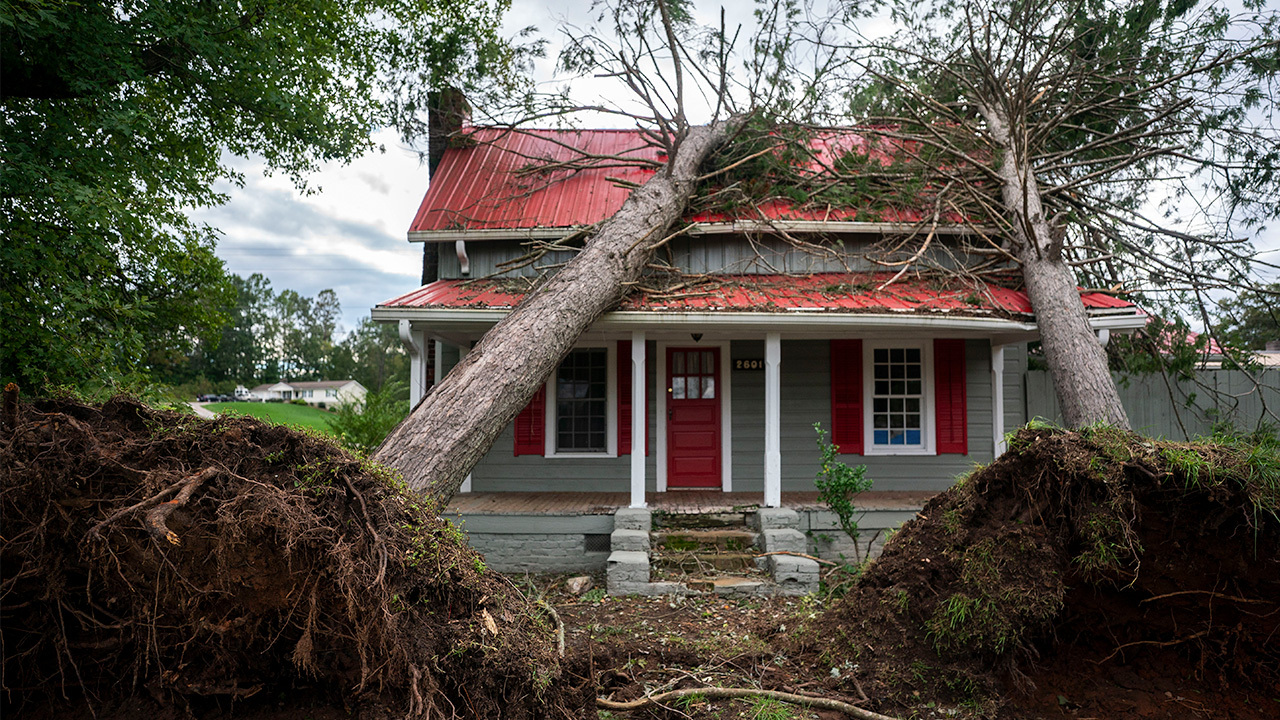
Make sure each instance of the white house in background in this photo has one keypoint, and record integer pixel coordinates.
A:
(329, 393)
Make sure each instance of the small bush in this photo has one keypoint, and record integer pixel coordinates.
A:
(362, 426)
(838, 483)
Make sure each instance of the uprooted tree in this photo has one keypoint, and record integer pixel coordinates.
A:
(1111, 145)
(459, 419)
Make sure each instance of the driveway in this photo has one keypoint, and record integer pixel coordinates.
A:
(201, 411)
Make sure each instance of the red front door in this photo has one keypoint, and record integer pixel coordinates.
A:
(693, 417)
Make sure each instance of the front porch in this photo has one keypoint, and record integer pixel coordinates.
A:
(465, 505)
(572, 531)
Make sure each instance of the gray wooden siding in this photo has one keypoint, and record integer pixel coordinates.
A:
(1179, 409)
(806, 399)
(697, 254)
(502, 471)
(1015, 401)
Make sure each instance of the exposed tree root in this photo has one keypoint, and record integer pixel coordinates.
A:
(735, 693)
(186, 485)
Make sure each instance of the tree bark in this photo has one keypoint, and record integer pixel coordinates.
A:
(1077, 362)
(457, 422)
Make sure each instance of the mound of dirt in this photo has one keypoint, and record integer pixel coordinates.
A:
(1091, 574)
(195, 564)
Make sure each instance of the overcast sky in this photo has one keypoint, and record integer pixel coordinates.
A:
(351, 235)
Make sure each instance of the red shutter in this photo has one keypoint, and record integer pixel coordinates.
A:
(951, 398)
(624, 402)
(624, 397)
(531, 425)
(846, 396)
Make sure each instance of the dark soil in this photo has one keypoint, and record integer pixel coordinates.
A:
(279, 576)
(1081, 575)
(1093, 574)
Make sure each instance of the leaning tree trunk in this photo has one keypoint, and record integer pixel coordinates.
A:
(1077, 362)
(447, 434)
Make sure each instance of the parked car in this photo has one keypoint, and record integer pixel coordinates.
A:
(207, 397)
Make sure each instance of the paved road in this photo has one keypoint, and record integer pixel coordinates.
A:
(201, 411)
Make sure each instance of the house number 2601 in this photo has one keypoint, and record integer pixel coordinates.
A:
(748, 364)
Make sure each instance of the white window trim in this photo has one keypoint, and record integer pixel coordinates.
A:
(610, 412)
(929, 432)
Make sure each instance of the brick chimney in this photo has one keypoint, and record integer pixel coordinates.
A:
(447, 113)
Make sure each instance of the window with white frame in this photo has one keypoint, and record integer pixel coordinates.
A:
(899, 407)
(582, 402)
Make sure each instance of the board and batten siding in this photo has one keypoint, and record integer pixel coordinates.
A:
(1161, 410)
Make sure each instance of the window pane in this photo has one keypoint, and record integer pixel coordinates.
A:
(881, 355)
(913, 371)
(882, 387)
(881, 437)
(581, 401)
(882, 372)
(691, 387)
(708, 365)
(677, 388)
(677, 363)
(896, 396)
(913, 437)
(708, 388)
(913, 387)
(896, 355)
(913, 355)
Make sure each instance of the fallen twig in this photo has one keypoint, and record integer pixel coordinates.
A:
(732, 693)
(800, 555)
(559, 624)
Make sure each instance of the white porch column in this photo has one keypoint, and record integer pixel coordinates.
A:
(439, 369)
(638, 427)
(772, 420)
(415, 343)
(997, 399)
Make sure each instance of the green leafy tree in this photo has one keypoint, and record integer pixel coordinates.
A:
(1250, 319)
(115, 117)
(1113, 145)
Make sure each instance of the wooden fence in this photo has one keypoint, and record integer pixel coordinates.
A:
(1176, 410)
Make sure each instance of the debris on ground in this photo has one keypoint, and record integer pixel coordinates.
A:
(159, 564)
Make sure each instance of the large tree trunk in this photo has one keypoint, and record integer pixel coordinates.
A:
(447, 434)
(1077, 362)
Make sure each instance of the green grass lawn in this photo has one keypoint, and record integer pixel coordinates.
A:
(279, 413)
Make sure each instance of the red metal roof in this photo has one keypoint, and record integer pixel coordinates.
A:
(830, 292)
(492, 180)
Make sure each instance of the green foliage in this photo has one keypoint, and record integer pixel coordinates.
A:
(363, 426)
(1249, 319)
(116, 117)
(838, 484)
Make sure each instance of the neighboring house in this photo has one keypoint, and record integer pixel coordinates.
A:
(330, 393)
(728, 367)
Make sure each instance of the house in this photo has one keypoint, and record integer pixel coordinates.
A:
(319, 393)
(712, 375)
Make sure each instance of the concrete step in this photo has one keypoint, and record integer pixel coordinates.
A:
(668, 520)
(701, 540)
(696, 562)
(730, 586)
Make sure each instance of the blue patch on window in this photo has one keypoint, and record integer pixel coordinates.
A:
(913, 437)
(882, 437)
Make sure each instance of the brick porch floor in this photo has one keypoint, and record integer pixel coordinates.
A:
(689, 502)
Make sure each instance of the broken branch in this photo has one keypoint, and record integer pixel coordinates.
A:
(733, 693)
